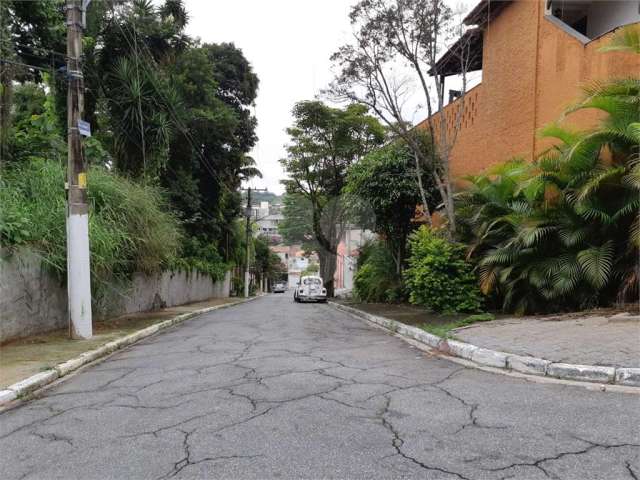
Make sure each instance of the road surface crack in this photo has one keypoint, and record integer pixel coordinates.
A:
(397, 442)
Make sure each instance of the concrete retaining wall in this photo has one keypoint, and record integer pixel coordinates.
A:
(33, 301)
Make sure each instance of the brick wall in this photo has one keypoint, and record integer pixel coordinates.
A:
(532, 70)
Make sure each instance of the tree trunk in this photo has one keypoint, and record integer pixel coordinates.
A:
(423, 196)
(328, 270)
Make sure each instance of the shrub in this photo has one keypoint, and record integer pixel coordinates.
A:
(376, 280)
(564, 233)
(197, 254)
(439, 277)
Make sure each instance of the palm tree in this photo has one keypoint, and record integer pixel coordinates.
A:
(564, 232)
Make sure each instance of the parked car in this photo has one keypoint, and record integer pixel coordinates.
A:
(310, 289)
(279, 287)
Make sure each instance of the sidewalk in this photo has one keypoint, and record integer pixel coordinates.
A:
(612, 341)
(600, 346)
(21, 358)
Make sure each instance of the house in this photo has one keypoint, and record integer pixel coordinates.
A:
(267, 217)
(296, 260)
(347, 256)
(533, 55)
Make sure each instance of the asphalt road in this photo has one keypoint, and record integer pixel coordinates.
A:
(273, 389)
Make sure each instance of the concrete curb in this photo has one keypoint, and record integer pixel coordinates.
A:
(628, 377)
(39, 380)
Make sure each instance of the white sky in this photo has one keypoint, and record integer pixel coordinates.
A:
(288, 43)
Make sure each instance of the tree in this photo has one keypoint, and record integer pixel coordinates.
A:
(165, 109)
(325, 141)
(297, 225)
(408, 34)
(267, 264)
(383, 181)
(28, 33)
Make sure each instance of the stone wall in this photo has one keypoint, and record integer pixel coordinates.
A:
(33, 301)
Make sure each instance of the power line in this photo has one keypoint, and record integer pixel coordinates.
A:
(13, 43)
(35, 67)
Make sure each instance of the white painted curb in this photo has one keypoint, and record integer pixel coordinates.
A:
(629, 377)
(39, 380)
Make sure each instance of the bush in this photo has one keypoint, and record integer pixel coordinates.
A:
(131, 226)
(197, 254)
(376, 280)
(564, 233)
(438, 276)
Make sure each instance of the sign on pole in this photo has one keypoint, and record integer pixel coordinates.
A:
(84, 128)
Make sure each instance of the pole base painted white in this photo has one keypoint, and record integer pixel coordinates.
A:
(79, 276)
(246, 284)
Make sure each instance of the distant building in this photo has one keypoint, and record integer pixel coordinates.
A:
(347, 258)
(267, 217)
(294, 257)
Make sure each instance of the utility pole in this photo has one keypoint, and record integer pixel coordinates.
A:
(78, 268)
(248, 235)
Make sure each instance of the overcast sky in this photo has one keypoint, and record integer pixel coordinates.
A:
(288, 43)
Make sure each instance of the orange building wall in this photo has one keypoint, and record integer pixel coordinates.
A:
(532, 70)
(564, 65)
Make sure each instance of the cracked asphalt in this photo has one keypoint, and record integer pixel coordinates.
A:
(273, 389)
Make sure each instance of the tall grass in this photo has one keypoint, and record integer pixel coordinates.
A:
(131, 226)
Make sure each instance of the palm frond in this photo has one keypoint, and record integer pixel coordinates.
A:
(596, 263)
(626, 39)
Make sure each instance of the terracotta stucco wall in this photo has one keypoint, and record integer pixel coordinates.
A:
(565, 65)
(532, 70)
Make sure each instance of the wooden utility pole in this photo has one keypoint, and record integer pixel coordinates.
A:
(78, 268)
(248, 236)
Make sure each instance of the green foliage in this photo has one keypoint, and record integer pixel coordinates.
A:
(384, 183)
(377, 279)
(165, 109)
(35, 132)
(297, 225)
(203, 257)
(131, 226)
(312, 269)
(439, 277)
(444, 329)
(267, 263)
(325, 142)
(564, 233)
(626, 39)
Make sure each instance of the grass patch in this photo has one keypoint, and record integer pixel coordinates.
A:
(444, 329)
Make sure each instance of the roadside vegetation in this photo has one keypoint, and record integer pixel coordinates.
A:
(171, 127)
(558, 234)
(563, 233)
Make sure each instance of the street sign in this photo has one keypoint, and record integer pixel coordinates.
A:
(84, 128)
